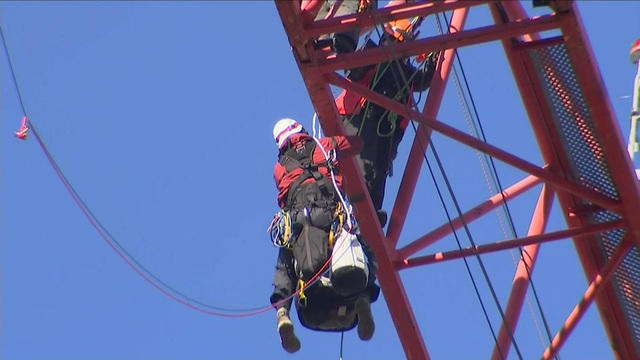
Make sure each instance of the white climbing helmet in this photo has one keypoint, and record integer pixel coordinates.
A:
(284, 128)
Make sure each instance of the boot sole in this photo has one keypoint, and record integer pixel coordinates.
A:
(289, 340)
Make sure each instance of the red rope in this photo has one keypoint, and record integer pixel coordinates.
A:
(94, 223)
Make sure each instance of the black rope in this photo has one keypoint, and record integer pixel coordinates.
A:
(13, 73)
(455, 234)
(451, 193)
(500, 188)
(94, 218)
(487, 279)
(478, 258)
(341, 344)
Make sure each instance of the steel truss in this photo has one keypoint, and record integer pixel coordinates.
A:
(591, 212)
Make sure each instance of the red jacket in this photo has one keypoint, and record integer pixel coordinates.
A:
(387, 82)
(344, 146)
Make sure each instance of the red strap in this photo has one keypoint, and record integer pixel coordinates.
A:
(349, 102)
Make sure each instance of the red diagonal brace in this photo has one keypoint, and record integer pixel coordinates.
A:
(476, 212)
(451, 132)
(590, 294)
(509, 244)
(522, 278)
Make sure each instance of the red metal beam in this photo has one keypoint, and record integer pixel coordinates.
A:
(522, 278)
(509, 244)
(374, 17)
(471, 215)
(421, 139)
(590, 294)
(440, 42)
(477, 144)
(536, 43)
(291, 17)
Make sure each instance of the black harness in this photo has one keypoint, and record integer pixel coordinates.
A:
(318, 193)
(311, 206)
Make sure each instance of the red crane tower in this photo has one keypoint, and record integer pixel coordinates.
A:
(582, 163)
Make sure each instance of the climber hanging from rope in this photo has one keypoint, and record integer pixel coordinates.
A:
(315, 225)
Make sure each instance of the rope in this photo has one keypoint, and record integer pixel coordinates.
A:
(148, 276)
(498, 184)
(395, 58)
(347, 209)
(455, 234)
(131, 261)
(478, 258)
(341, 344)
(114, 244)
(13, 73)
(472, 128)
(315, 126)
(451, 193)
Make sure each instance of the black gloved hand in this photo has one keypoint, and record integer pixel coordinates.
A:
(432, 60)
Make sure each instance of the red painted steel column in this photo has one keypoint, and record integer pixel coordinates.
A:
(323, 102)
(523, 275)
(592, 291)
(604, 119)
(608, 305)
(419, 147)
(621, 169)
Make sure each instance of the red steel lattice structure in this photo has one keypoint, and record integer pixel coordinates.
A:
(585, 164)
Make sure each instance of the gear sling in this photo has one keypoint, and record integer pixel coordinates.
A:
(317, 221)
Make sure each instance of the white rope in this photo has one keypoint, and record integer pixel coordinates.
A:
(347, 208)
(313, 126)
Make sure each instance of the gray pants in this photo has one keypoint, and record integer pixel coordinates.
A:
(347, 41)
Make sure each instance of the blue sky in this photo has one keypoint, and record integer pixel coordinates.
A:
(160, 115)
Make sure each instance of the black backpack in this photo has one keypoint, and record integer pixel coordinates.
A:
(311, 206)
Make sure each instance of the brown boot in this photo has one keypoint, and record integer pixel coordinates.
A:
(285, 328)
(366, 326)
